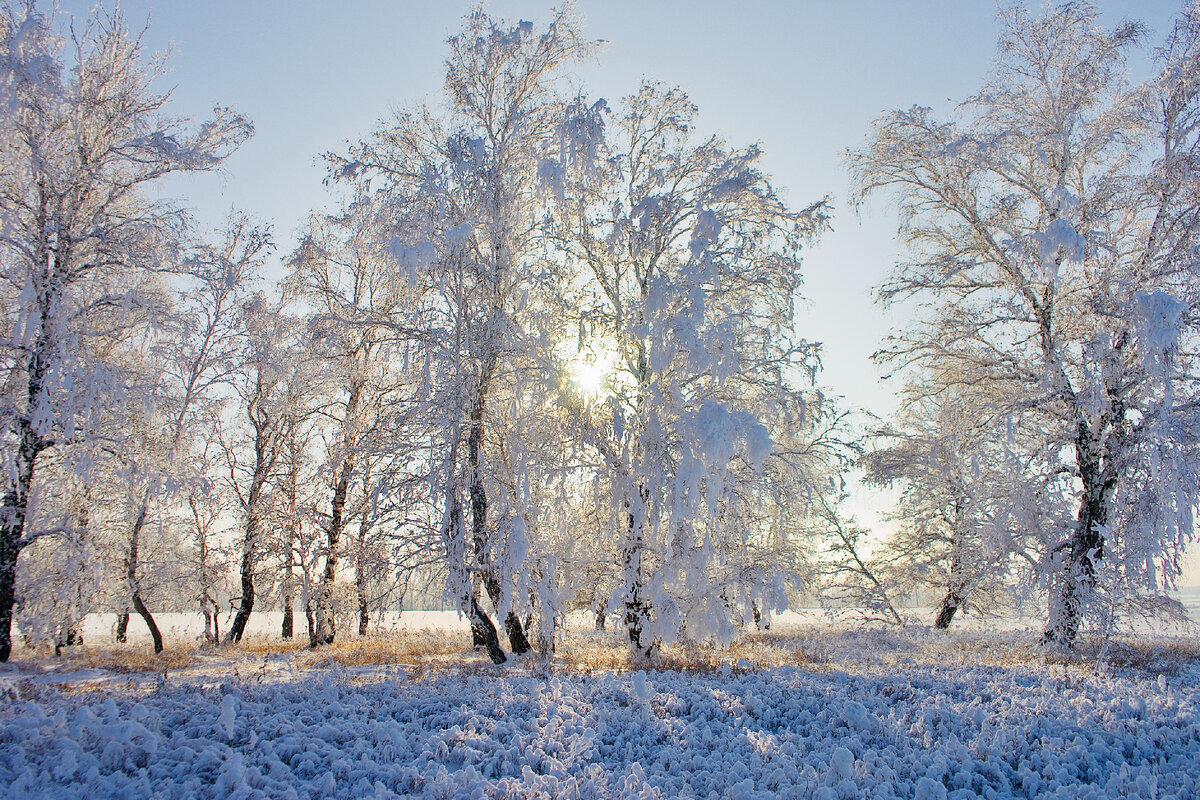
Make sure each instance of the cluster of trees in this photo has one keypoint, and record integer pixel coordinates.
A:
(406, 404)
(544, 354)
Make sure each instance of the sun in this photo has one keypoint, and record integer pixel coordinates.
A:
(590, 376)
(591, 371)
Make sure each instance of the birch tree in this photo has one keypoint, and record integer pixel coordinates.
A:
(693, 263)
(465, 191)
(345, 274)
(1051, 225)
(255, 447)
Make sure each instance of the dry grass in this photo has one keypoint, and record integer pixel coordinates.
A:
(120, 659)
(1153, 655)
(408, 648)
(426, 653)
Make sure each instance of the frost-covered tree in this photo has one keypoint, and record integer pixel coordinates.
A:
(971, 502)
(254, 448)
(692, 264)
(191, 356)
(1052, 224)
(344, 272)
(466, 199)
(82, 135)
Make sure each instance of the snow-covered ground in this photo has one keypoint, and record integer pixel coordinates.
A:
(916, 732)
(910, 713)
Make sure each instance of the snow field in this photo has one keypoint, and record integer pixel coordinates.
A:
(908, 732)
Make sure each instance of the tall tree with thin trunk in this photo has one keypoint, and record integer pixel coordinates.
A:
(256, 447)
(466, 200)
(343, 272)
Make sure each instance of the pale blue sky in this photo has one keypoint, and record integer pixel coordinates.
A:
(804, 78)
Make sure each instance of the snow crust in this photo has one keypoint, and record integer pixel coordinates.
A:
(785, 732)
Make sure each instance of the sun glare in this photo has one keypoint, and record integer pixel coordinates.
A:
(591, 370)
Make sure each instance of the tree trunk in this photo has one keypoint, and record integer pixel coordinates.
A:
(360, 567)
(211, 634)
(68, 634)
(949, 605)
(517, 640)
(293, 541)
(246, 603)
(326, 625)
(956, 591)
(144, 613)
(131, 567)
(8, 578)
(266, 451)
(249, 559)
(478, 637)
(286, 629)
(483, 631)
(122, 632)
(1077, 557)
(16, 504)
(637, 608)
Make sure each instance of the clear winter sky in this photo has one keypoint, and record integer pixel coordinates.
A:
(805, 78)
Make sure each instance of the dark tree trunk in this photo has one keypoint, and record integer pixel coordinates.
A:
(517, 640)
(949, 605)
(122, 633)
(326, 625)
(208, 605)
(293, 542)
(8, 580)
(312, 623)
(360, 567)
(144, 613)
(484, 631)
(16, 504)
(325, 622)
(245, 606)
(602, 615)
(1077, 557)
(30, 445)
(249, 559)
(131, 568)
(266, 451)
(956, 592)
(637, 609)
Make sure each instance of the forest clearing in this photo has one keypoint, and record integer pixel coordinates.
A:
(512, 468)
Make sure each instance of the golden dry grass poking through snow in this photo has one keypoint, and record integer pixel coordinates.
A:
(430, 652)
